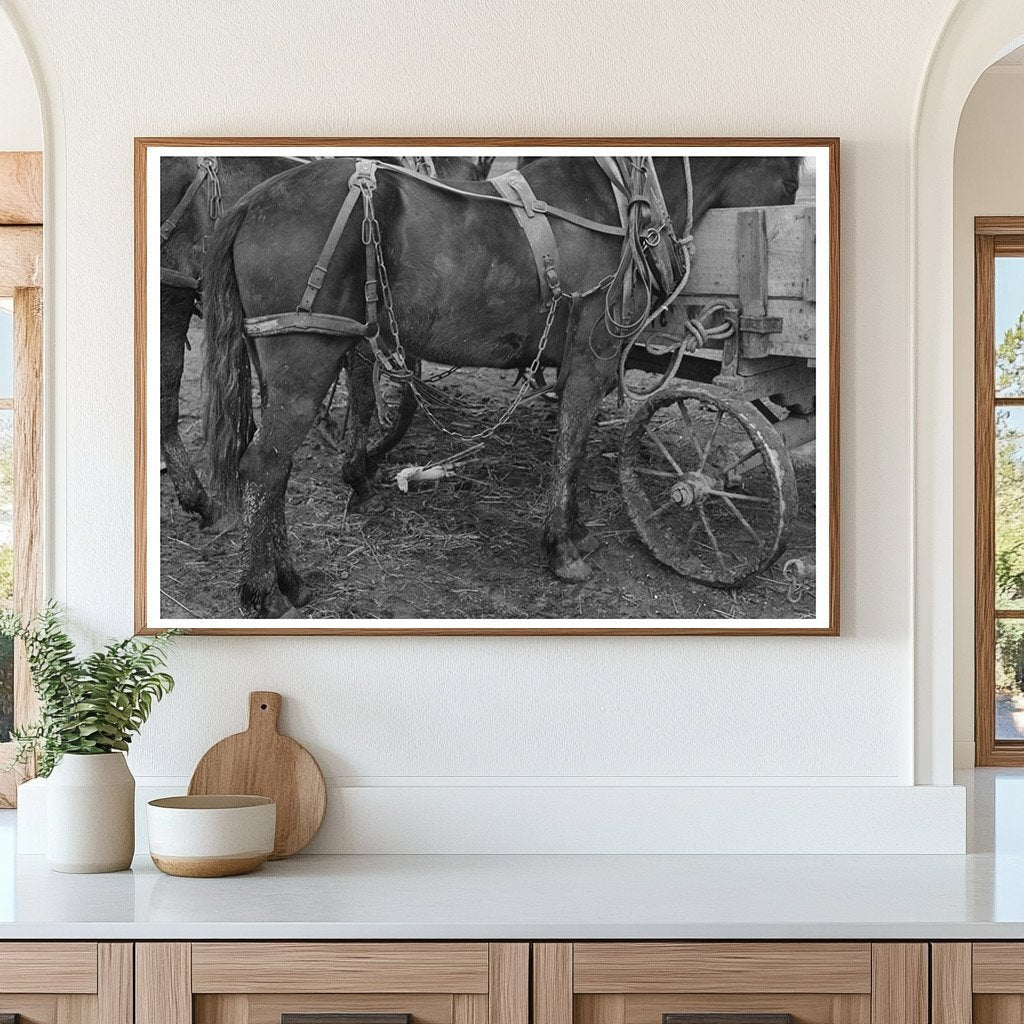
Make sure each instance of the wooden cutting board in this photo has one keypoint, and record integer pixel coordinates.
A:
(262, 762)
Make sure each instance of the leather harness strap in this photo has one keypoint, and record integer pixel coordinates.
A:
(512, 190)
(176, 279)
(537, 229)
(644, 188)
(207, 168)
(319, 271)
(539, 206)
(304, 320)
(303, 323)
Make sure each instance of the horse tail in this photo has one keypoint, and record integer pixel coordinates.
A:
(227, 376)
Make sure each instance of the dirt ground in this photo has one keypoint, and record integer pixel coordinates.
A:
(468, 547)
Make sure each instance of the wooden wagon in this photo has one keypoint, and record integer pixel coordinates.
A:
(705, 460)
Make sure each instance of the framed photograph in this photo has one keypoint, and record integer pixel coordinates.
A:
(493, 386)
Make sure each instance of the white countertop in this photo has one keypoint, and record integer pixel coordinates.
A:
(496, 897)
(977, 896)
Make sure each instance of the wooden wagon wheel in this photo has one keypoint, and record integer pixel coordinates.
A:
(708, 483)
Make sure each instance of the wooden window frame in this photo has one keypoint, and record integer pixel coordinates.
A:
(21, 278)
(993, 237)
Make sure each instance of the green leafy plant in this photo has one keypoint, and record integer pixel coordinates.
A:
(90, 705)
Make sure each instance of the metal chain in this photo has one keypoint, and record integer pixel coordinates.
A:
(393, 363)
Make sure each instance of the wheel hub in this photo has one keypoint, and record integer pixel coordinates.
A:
(691, 489)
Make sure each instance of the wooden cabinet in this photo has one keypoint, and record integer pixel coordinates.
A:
(307, 982)
(66, 982)
(494, 983)
(978, 983)
(753, 982)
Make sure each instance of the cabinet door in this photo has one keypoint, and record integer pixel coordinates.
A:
(981, 982)
(332, 983)
(730, 983)
(65, 983)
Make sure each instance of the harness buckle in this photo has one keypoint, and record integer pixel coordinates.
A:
(539, 206)
(370, 291)
(554, 282)
(317, 276)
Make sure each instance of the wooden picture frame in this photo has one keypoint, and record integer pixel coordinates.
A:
(21, 278)
(993, 237)
(821, 277)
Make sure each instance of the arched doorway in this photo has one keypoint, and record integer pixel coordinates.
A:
(976, 34)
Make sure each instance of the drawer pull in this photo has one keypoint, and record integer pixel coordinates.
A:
(727, 1018)
(339, 1018)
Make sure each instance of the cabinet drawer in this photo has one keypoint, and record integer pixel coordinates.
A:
(730, 983)
(332, 983)
(66, 982)
(65, 967)
(340, 967)
(634, 967)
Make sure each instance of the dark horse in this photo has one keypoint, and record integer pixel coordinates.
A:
(465, 292)
(182, 254)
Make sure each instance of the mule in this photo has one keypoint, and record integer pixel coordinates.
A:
(466, 293)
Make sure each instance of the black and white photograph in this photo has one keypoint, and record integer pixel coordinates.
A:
(451, 386)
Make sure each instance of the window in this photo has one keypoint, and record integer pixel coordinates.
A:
(21, 366)
(999, 490)
(6, 510)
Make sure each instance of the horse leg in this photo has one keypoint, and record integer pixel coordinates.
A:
(566, 540)
(299, 369)
(358, 470)
(176, 307)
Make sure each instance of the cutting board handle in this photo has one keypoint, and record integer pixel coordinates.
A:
(264, 710)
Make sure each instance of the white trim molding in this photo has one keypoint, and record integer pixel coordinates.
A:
(450, 817)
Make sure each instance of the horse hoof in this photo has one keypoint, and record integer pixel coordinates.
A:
(573, 571)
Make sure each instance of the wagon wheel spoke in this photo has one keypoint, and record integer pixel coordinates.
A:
(647, 471)
(727, 501)
(688, 543)
(712, 538)
(739, 462)
(664, 451)
(684, 415)
(661, 509)
(736, 496)
(711, 441)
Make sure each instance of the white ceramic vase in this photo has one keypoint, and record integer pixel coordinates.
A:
(90, 814)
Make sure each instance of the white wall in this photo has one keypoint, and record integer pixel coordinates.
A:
(21, 127)
(988, 180)
(456, 712)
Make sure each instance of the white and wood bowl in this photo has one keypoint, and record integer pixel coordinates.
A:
(211, 836)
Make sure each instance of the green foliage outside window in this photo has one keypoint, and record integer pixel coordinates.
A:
(1009, 509)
